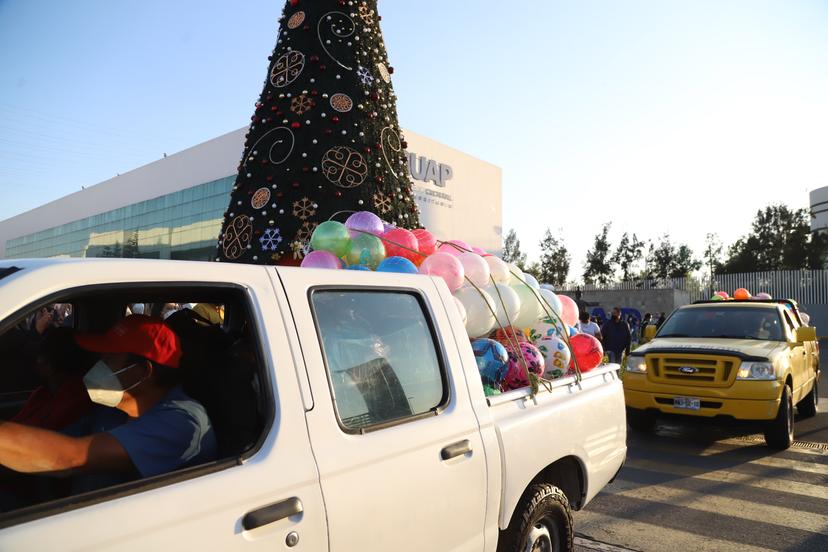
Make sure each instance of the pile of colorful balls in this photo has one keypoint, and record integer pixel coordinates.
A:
(519, 328)
(740, 294)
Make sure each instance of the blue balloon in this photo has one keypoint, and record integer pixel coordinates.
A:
(492, 361)
(572, 331)
(397, 264)
(358, 267)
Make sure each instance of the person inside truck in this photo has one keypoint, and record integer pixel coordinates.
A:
(143, 424)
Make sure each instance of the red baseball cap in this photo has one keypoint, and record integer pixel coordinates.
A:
(138, 334)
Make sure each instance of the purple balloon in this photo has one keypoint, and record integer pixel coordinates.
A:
(386, 226)
(321, 259)
(364, 221)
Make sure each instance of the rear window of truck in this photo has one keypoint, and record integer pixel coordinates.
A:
(381, 356)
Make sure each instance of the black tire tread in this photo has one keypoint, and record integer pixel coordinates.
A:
(510, 539)
(776, 432)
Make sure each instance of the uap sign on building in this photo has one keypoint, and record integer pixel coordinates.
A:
(428, 170)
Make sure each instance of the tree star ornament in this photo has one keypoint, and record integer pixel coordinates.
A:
(324, 139)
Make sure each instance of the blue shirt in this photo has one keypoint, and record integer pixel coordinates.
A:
(173, 434)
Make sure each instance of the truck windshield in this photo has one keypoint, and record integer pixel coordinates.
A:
(726, 322)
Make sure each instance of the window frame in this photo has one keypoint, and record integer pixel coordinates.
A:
(83, 500)
(437, 341)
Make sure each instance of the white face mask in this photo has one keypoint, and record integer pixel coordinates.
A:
(103, 384)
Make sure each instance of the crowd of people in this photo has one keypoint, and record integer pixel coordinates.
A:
(617, 335)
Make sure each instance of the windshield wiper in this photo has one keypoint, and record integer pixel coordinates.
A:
(674, 335)
(738, 337)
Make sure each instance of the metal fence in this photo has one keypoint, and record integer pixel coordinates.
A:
(807, 287)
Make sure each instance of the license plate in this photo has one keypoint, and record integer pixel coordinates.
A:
(687, 403)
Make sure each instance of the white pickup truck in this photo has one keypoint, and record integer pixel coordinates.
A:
(349, 414)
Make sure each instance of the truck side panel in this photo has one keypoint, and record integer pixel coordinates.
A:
(584, 421)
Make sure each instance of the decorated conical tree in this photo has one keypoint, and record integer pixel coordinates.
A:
(324, 140)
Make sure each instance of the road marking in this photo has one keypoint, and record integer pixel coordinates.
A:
(750, 510)
(770, 461)
(652, 538)
(727, 476)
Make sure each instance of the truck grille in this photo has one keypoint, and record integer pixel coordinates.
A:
(696, 370)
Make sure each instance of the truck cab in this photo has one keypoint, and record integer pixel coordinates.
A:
(347, 406)
(743, 360)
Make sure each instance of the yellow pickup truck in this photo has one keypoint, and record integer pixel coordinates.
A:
(743, 360)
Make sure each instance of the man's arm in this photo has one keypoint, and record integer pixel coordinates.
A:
(33, 450)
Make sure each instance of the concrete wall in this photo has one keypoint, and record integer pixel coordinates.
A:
(654, 301)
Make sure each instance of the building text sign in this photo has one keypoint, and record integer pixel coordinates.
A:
(428, 170)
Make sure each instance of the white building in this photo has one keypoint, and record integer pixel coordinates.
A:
(172, 208)
(819, 209)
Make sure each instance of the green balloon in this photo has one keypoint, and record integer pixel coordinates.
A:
(331, 236)
(366, 249)
(717, 298)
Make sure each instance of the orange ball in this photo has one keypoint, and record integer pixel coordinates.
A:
(741, 293)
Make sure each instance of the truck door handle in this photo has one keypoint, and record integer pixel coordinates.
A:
(456, 449)
(271, 513)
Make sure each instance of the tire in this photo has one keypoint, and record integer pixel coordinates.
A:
(779, 433)
(542, 522)
(641, 420)
(807, 407)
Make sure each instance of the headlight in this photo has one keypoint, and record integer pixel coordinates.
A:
(636, 365)
(756, 371)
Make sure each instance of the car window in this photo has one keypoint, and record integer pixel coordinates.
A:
(727, 322)
(58, 376)
(381, 356)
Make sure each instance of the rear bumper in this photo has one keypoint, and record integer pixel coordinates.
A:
(739, 409)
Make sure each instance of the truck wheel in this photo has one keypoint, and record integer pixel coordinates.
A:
(807, 407)
(779, 433)
(542, 523)
(641, 420)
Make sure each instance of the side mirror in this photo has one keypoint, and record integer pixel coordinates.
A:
(650, 332)
(805, 333)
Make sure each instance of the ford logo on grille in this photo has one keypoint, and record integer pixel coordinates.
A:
(688, 370)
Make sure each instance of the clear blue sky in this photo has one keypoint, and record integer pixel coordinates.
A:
(679, 117)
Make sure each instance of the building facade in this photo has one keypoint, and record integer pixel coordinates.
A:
(172, 208)
(819, 209)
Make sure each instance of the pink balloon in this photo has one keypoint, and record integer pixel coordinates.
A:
(426, 242)
(449, 247)
(478, 250)
(321, 259)
(399, 242)
(445, 266)
(569, 310)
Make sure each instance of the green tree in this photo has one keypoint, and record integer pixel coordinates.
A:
(780, 239)
(628, 252)
(512, 252)
(684, 262)
(668, 261)
(554, 261)
(712, 256)
(598, 266)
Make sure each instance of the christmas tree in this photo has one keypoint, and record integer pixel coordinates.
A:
(324, 140)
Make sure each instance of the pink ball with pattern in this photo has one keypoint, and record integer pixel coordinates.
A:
(516, 376)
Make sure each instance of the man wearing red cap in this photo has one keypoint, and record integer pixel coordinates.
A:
(150, 426)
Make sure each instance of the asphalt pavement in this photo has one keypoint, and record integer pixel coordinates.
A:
(693, 485)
